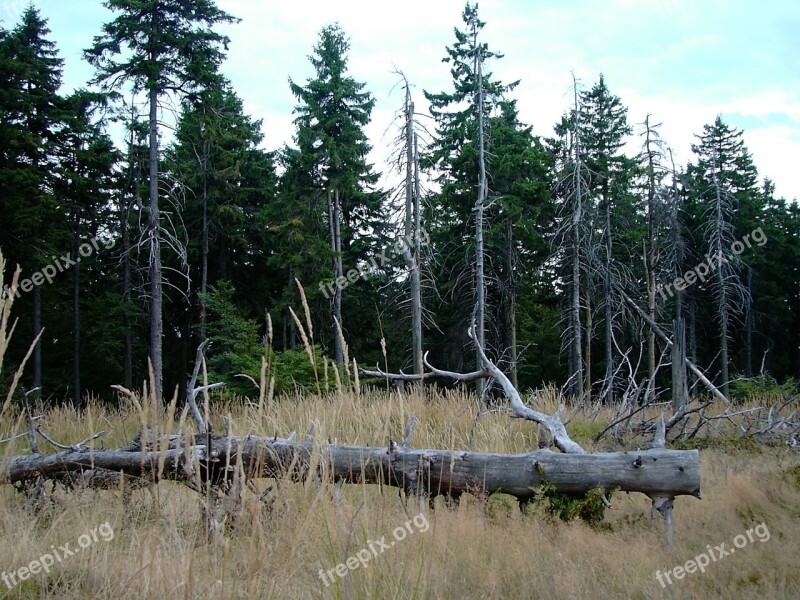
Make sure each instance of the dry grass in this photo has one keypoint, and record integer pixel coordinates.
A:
(159, 548)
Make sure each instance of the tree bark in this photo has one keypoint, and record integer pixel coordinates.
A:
(680, 391)
(204, 251)
(748, 326)
(575, 308)
(512, 302)
(587, 349)
(412, 235)
(655, 472)
(480, 285)
(336, 249)
(154, 234)
(416, 285)
(608, 309)
(76, 307)
(126, 261)
(651, 258)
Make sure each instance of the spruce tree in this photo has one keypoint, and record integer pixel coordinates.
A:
(332, 114)
(159, 46)
(604, 127)
(723, 181)
(32, 125)
(228, 182)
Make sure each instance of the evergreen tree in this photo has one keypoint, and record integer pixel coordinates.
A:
(31, 232)
(160, 46)
(723, 180)
(333, 147)
(227, 182)
(520, 174)
(604, 127)
(84, 184)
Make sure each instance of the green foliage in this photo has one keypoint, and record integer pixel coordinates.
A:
(159, 44)
(589, 508)
(293, 371)
(333, 111)
(763, 387)
(794, 476)
(237, 349)
(251, 221)
(585, 429)
(235, 341)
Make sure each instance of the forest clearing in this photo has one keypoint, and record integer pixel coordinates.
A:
(366, 333)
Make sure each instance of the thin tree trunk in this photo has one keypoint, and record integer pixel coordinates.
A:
(76, 309)
(336, 248)
(650, 260)
(204, 273)
(651, 336)
(416, 286)
(587, 349)
(608, 308)
(748, 327)
(480, 289)
(412, 234)
(577, 374)
(127, 358)
(512, 302)
(693, 338)
(722, 289)
(154, 234)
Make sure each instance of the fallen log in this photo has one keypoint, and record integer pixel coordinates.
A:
(656, 472)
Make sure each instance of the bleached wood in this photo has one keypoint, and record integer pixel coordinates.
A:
(659, 473)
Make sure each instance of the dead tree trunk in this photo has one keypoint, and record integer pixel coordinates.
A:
(336, 249)
(655, 472)
(663, 337)
(480, 285)
(577, 218)
(411, 253)
(680, 391)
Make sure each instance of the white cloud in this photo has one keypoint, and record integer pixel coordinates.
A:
(681, 60)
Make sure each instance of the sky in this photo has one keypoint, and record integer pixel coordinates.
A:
(682, 61)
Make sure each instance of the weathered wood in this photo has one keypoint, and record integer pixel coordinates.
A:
(655, 472)
(553, 423)
(664, 338)
(680, 389)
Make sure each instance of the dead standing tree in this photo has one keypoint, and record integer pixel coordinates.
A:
(571, 236)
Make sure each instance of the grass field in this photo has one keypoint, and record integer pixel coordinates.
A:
(492, 550)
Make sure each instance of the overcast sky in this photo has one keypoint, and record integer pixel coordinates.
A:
(683, 61)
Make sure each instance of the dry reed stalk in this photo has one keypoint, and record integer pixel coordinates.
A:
(307, 346)
(345, 349)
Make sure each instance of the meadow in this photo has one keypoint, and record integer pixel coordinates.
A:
(290, 543)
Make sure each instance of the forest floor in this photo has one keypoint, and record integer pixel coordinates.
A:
(156, 547)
